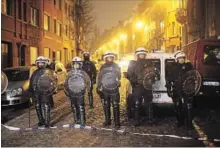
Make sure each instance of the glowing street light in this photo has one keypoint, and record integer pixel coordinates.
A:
(123, 36)
(146, 28)
(139, 25)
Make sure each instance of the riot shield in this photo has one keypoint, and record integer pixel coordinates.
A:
(4, 82)
(44, 81)
(191, 82)
(151, 78)
(76, 83)
(110, 81)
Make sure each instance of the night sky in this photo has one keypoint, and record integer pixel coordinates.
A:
(109, 12)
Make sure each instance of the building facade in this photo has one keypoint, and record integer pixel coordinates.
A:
(31, 28)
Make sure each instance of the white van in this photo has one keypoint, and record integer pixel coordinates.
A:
(161, 61)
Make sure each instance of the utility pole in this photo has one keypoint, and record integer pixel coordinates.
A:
(78, 12)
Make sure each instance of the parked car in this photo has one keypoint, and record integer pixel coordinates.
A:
(61, 73)
(205, 57)
(18, 84)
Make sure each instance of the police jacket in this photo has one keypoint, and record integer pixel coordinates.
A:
(113, 67)
(177, 70)
(90, 69)
(136, 71)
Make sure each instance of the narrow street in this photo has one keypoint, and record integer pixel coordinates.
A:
(67, 136)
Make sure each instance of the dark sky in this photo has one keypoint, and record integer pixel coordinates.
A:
(109, 12)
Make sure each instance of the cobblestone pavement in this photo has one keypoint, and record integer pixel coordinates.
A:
(61, 114)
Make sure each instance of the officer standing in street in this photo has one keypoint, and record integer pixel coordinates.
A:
(136, 77)
(90, 69)
(174, 80)
(75, 86)
(49, 66)
(42, 100)
(108, 86)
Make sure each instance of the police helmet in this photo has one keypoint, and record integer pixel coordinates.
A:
(86, 52)
(42, 60)
(108, 54)
(179, 54)
(140, 50)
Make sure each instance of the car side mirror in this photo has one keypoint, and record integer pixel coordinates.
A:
(125, 74)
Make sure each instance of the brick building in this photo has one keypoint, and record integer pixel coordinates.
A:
(36, 27)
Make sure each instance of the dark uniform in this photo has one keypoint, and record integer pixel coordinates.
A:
(174, 80)
(90, 69)
(109, 97)
(136, 74)
(52, 67)
(42, 101)
(75, 86)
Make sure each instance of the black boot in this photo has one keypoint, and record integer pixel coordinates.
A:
(116, 113)
(47, 115)
(39, 114)
(150, 113)
(82, 116)
(91, 100)
(189, 115)
(107, 113)
(136, 120)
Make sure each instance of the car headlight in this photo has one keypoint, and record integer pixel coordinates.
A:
(19, 91)
(16, 92)
(207, 83)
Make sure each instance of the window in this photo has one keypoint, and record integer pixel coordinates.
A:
(24, 12)
(17, 75)
(212, 55)
(33, 54)
(173, 28)
(65, 30)
(58, 30)
(19, 9)
(58, 4)
(6, 55)
(7, 7)
(47, 52)
(66, 7)
(46, 22)
(58, 56)
(34, 17)
(54, 27)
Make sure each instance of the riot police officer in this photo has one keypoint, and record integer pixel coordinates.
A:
(75, 86)
(41, 99)
(90, 69)
(139, 94)
(174, 81)
(49, 66)
(108, 85)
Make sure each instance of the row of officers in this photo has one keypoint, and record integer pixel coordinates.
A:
(83, 76)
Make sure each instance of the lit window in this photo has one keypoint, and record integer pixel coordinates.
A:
(58, 30)
(33, 54)
(58, 56)
(54, 27)
(47, 52)
(34, 17)
(7, 7)
(46, 22)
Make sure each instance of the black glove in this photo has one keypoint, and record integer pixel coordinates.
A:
(94, 81)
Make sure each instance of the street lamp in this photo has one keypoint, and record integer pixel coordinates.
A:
(123, 36)
(139, 25)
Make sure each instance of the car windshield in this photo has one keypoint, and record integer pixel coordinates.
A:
(168, 64)
(17, 75)
(211, 55)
